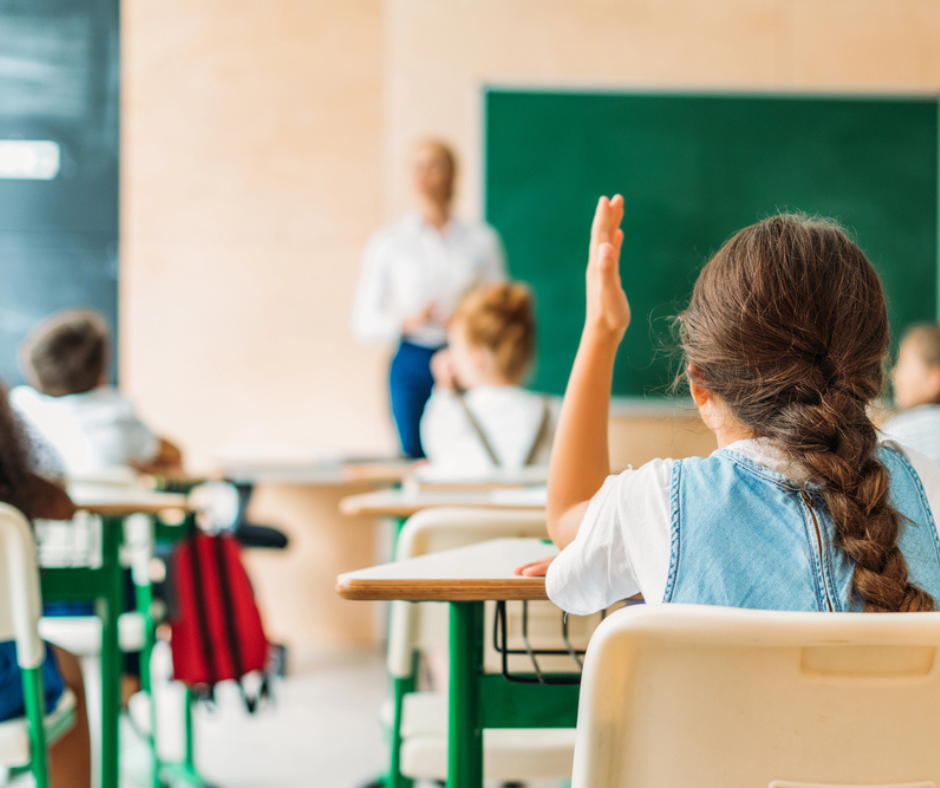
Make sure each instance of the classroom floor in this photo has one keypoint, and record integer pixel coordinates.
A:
(323, 731)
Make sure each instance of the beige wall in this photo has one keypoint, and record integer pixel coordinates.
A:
(438, 55)
(252, 136)
(264, 141)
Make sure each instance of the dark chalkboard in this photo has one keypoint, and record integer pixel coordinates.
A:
(59, 70)
(693, 169)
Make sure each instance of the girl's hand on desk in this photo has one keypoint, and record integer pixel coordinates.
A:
(535, 568)
(608, 311)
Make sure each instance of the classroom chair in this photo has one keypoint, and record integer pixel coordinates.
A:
(23, 741)
(418, 720)
(723, 697)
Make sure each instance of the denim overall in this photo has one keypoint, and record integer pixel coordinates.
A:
(746, 536)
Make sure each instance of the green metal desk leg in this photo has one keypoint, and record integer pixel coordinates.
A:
(35, 699)
(464, 734)
(400, 688)
(109, 609)
(143, 597)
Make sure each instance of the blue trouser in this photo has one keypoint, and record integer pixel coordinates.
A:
(410, 383)
(12, 703)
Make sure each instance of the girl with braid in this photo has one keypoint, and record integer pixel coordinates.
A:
(801, 507)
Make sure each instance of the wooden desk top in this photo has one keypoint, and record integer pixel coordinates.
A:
(406, 502)
(428, 477)
(478, 572)
(119, 501)
(316, 471)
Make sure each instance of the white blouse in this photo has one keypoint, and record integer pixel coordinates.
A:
(89, 432)
(623, 545)
(510, 417)
(411, 264)
(918, 428)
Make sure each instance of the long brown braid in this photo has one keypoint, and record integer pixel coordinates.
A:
(788, 325)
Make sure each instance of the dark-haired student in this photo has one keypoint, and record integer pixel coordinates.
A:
(39, 498)
(72, 407)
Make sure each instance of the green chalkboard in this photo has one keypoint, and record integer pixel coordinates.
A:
(693, 169)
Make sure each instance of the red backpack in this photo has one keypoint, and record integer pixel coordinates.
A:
(215, 626)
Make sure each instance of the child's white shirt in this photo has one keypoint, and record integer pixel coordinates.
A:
(623, 546)
(510, 418)
(90, 432)
(918, 428)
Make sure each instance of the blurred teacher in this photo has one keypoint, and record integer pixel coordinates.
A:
(414, 273)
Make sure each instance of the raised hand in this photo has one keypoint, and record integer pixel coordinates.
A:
(608, 311)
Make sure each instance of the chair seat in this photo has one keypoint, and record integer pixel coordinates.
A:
(81, 635)
(14, 734)
(508, 753)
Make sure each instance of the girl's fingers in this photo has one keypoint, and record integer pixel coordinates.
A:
(597, 225)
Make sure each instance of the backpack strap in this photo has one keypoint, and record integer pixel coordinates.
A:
(477, 427)
(228, 607)
(202, 616)
(231, 631)
(539, 433)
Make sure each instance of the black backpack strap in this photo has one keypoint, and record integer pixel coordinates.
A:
(539, 433)
(202, 615)
(231, 633)
(477, 428)
(228, 607)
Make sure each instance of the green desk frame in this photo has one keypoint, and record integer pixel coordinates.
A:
(104, 585)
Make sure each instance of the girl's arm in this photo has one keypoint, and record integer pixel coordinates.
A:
(580, 461)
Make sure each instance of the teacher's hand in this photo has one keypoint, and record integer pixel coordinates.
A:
(418, 320)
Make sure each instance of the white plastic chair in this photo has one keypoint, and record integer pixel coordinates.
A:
(686, 695)
(23, 740)
(418, 720)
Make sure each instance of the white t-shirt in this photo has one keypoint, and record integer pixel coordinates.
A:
(411, 264)
(510, 418)
(90, 432)
(918, 428)
(623, 546)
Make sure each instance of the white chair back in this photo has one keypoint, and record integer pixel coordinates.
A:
(424, 626)
(720, 697)
(20, 605)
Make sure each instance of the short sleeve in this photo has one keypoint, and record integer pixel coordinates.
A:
(623, 544)
(139, 442)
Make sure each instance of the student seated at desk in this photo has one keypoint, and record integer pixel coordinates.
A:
(479, 417)
(39, 498)
(71, 406)
(801, 507)
(916, 381)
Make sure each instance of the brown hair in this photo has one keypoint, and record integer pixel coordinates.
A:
(499, 318)
(18, 484)
(788, 326)
(66, 353)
